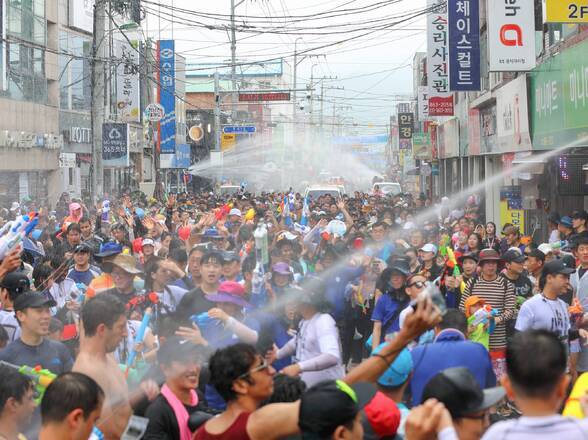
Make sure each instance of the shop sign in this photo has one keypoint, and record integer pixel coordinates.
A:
(559, 99)
(421, 146)
(512, 118)
(566, 11)
(464, 45)
(440, 98)
(511, 35)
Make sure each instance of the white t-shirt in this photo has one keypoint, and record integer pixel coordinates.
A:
(539, 428)
(316, 336)
(171, 297)
(10, 324)
(540, 313)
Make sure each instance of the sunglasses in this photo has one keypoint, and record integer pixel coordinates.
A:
(417, 284)
(263, 366)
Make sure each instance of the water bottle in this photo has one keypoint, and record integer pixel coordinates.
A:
(261, 244)
(105, 210)
(257, 281)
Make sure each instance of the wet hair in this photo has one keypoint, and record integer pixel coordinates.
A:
(74, 227)
(102, 309)
(248, 265)
(227, 364)
(535, 362)
(286, 389)
(212, 256)
(455, 319)
(179, 256)
(151, 267)
(84, 220)
(55, 325)
(13, 384)
(176, 243)
(41, 273)
(69, 392)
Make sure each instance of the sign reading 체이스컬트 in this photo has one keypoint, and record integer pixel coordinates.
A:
(511, 35)
(566, 11)
(440, 98)
(464, 45)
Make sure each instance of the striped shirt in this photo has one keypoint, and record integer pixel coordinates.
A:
(499, 294)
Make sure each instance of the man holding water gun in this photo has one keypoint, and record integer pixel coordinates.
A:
(34, 348)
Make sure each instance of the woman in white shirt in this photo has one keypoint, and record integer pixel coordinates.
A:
(315, 348)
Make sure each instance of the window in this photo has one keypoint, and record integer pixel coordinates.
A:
(74, 73)
(26, 61)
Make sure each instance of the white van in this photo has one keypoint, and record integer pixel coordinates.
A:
(386, 188)
(314, 192)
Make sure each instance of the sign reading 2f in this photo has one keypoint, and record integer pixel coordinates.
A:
(511, 35)
(566, 11)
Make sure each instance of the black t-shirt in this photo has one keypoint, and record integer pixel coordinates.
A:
(193, 302)
(163, 424)
(523, 285)
(50, 355)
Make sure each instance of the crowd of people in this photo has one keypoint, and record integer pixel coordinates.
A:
(269, 316)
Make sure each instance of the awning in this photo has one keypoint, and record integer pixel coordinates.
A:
(525, 164)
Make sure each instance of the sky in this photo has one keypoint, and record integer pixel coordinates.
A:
(373, 66)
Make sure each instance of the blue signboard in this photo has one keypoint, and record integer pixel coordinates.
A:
(167, 96)
(235, 129)
(182, 159)
(464, 45)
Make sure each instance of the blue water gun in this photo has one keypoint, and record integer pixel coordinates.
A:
(139, 337)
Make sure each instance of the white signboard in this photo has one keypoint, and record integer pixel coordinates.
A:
(127, 81)
(511, 35)
(423, 103)
(67, 160)
(154, 112)
(81, 15)
(512, 116)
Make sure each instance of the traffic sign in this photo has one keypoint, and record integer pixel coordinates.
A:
(239, 129)
(154, 112)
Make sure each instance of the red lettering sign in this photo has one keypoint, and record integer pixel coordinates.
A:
(504, 39)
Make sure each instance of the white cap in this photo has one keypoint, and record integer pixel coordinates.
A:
(429, 247)
(235, 211)
(545, 248)
(15, 206)
(147, 241)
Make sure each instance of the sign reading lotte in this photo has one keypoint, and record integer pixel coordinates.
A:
(511, 35)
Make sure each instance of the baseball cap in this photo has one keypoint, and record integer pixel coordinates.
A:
(488, 255)
(429, 247)
(513, 256)
(108, 249)
(332, 403)
(16, 282)
(381, 418)
(461, 394)
(566, 221)
(82, 247)
(555, 267)
(33, 300)
(229, 256)
(399, 371)
(537, 253)
(282, 269)
(147, 242)
(177, 349)
(510, 230)
(466, 256)
(235, 211)
(545, 248)
(580, 215)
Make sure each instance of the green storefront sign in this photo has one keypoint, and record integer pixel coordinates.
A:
(559, 99)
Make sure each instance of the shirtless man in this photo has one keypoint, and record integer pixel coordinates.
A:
(104, 326)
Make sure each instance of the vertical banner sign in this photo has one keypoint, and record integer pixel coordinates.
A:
(405, 130)
(115, 145)
(127, 81)
(464, 45)
(511, 36)
(440, 99)
(167, 96)
(423, 103)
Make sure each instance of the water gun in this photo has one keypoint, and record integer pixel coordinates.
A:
(559, 244)
(41, 377)
(15, 235)
(444, 245)
(576, 310)
(573, 407)
(453, 260)
(202, 320)
(139, 337)
(484, 315)
(359, 297)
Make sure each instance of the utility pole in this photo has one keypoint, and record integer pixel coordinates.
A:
(98, 104)
(217, 114)
(294, 83)
(233, 58)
